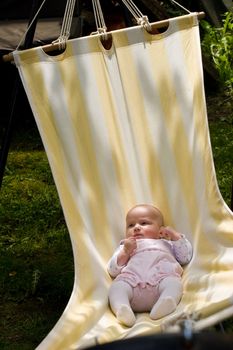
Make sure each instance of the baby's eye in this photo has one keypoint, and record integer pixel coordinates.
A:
(130, 225)
(144, 223)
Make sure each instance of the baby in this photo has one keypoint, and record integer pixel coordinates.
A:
(147, 267)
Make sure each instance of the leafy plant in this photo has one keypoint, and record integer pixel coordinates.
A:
(217, 45)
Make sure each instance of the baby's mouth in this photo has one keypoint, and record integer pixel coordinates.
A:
(138, 235)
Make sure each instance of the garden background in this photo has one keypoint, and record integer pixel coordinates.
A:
(36, 262)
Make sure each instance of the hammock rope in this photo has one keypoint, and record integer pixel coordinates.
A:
(99, 18)
(30, 25)
(134, 10)
(66, 24)
(181, 6)
(60, 42)
(137, 14)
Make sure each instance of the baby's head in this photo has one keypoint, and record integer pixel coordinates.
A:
(144, 221)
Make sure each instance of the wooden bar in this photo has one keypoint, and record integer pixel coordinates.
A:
(165, 23)
(47, 48)
(53, 47)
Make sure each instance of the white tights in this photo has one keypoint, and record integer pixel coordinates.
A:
(121, 294)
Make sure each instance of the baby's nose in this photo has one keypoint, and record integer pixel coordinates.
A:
(137, 227)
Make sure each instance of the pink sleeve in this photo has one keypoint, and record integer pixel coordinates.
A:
(182, 250)
(113, 268)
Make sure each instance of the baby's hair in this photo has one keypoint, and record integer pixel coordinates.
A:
(150, 206)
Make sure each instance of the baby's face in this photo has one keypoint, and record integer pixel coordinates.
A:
(143, 222)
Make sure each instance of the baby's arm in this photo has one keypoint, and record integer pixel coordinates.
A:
(121, 257)
(183, 250)
(129, 247)
(113, 268)
(181, 246)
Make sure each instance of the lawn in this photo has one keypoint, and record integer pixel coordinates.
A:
(36, 264)
(36, 268)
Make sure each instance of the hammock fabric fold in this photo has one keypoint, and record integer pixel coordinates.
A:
(124, 126)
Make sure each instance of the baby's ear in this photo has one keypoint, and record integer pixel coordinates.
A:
(161, 231)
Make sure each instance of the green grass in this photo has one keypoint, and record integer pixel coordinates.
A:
(36, 263)
(222, 141)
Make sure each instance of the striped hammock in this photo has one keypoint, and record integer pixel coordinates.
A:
(124, 126)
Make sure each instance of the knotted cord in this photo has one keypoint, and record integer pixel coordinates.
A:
(66, 24)
(99, 18)
(137, 14)
(100, 23)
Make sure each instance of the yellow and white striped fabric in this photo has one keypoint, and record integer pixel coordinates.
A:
(124, 126)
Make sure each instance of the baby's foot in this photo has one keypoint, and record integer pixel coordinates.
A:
(126, 316)
(163, 307)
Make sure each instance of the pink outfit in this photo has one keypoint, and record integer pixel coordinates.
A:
(144, 297)
(152, 261)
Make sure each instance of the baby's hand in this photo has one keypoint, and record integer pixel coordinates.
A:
(130, 245)
(169, 233)
(128, 248)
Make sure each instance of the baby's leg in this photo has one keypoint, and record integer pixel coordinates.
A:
(120, 294)
(170, 291)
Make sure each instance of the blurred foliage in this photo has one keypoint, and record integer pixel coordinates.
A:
(217, 46)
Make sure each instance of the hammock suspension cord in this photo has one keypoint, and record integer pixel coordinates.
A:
(100, 23)
(66, 24)
(134, 10)
(99, 18)
(137, 14)
(181, 6)
(28, 28)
